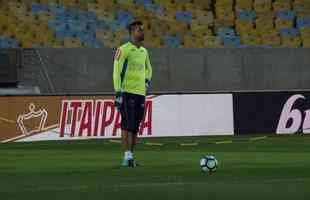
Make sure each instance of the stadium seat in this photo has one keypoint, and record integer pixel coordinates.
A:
(270, 37)
(264, 24)
(281, 6)
(172, 42)
(262, 6)
(213, 42)
(243, 5)
(182, 23)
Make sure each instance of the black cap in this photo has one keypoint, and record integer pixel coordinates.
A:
(134, 23)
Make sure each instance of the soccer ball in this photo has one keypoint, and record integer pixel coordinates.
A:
(208, 163)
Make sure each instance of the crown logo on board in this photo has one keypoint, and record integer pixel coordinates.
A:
(39, 116)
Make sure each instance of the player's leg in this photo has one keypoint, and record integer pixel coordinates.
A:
(138, 116)
(126, 127)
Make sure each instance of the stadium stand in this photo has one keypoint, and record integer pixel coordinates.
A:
(168, 23)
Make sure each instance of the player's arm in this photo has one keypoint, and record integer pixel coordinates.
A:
(119, 59)
(148, 69)
(148, 73)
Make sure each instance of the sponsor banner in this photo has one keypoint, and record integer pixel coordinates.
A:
(272, 112)
(40, 118)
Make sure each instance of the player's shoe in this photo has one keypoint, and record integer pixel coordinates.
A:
(132, 163)
(125, 163)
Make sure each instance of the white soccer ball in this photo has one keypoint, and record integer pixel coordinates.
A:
(208, 163)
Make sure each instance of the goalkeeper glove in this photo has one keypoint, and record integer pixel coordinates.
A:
(147, 85)
(118, 101)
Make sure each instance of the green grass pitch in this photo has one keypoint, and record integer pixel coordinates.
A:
(273, 167)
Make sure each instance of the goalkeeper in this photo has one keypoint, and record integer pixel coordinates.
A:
(131, 77)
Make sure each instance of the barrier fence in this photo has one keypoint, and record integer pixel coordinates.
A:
(63, 117)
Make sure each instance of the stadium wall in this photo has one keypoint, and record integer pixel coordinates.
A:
(181, 70)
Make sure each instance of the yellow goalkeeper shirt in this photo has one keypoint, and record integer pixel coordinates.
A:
(131, 68)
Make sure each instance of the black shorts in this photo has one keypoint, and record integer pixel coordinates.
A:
(132, 112)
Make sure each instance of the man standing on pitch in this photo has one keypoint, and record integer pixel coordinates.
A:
(132, 77)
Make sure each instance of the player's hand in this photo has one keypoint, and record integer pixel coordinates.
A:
(147, 85)
(118, 101)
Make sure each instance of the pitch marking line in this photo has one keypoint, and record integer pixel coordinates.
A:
(154, 144)
(224, 142)
(167, 184)
(258, 138)
(115, 141)
(188, 144)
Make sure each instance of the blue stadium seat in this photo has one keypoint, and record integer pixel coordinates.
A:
(184, 16)
(303, 22)
(57, 25)
(224, 32)
(143, 2)
(87, 16)
(246, 15)
(8, 43)
(231, 41)
(158, 9)
(61, 34)
(38, 8)
(98, 24)
(172, 42)
(56, 8)
(289, 32)
(286, 15)
(75, 25)
(124, 17)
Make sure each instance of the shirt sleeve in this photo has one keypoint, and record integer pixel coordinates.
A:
(119, 59)
(148, 70)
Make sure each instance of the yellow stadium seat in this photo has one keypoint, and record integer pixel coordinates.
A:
(46, 16)
(27, 18)
(294, 42)
(301, 8)
(262, 6)
(104, 35)
(67, 3)
(198, 25)
(243, 26)
(203, 4)
(281, 6)
(243, 5)
(204, 16)
(17, 8)
(3, 19)
(120, 34)
(156, 42)
(72, 42)
(213, 42)
(264, 23)
(193, 42)
(190, 7)
(106, 16)
(251, 40)
(270, 37)
(224, 3)
(306, 42)
(280, 24)
(167, 16)
(106, 3)
(45, 2)
(27, 44)
(305, 33)
(177, 28)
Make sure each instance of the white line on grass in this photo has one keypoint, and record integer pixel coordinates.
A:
(167, 184)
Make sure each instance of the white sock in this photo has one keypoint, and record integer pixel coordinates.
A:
(128, 155)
